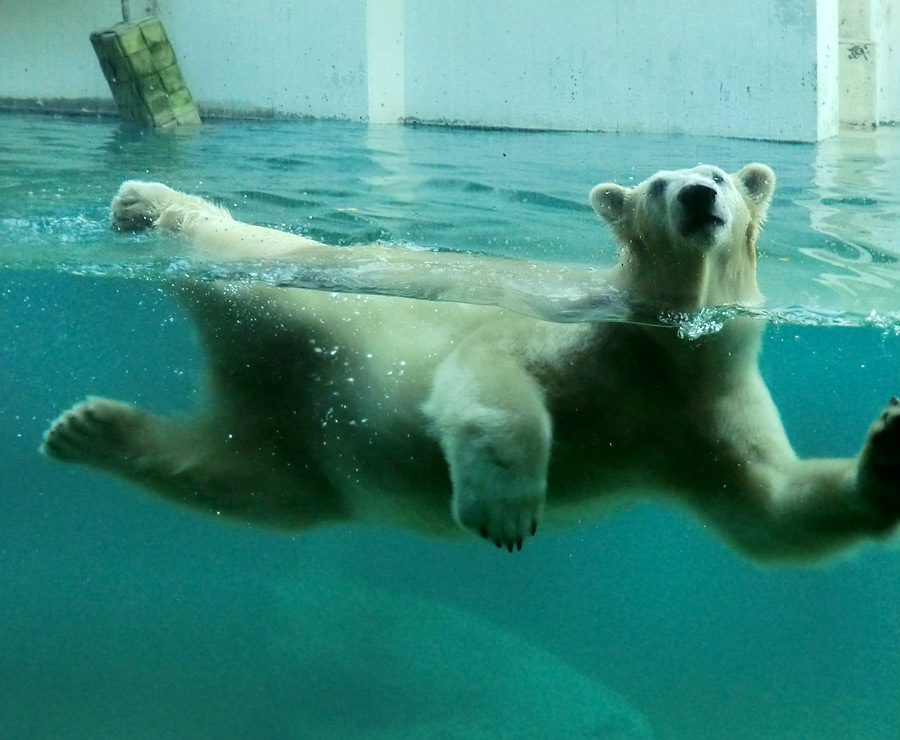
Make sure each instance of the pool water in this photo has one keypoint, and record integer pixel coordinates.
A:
(126, 617)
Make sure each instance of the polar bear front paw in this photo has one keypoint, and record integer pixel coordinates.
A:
(505, 520)
(139, 205)
(96, 432)
(879, 465)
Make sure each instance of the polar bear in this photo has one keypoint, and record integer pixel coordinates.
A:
(450, 418)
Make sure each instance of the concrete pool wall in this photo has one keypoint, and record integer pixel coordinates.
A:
(787, 70)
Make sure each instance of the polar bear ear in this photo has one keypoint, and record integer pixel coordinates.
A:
(759, 184)
(608, 200)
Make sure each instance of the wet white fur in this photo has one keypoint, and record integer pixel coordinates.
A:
(448, 418)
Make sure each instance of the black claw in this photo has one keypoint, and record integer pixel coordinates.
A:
(483, 530)
(519, 543)
(509, 546)
(498, 543)
(533, 528)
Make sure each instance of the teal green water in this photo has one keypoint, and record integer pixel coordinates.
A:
(125, 617)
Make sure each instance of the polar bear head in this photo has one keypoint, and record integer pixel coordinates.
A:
(688, 237)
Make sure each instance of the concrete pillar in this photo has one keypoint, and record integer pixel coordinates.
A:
(386, 52)
(827, 49)
(858, 69)
(886, 33)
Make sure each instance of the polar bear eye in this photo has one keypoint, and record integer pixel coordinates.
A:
(717, 178)
(656, 188)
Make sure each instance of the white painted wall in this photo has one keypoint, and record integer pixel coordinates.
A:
(278, 57)
(747, 68)
(386, 60)
(826, 91)
(44, 49)
(736, 69)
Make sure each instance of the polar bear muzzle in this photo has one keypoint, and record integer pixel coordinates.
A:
(700, 213)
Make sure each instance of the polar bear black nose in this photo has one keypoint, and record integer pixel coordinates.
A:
(697, 198)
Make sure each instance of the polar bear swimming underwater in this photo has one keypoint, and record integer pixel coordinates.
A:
(445, 417)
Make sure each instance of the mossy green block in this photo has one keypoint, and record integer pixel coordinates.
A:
(143, 75)
(163, 56)
(151, 85)
(142, 63)
(172, 79)
(187, 115)
(157, 102)
(165, 118)
(153, 32)
(131, 105)
(106, 47)
(181, 99)
(126, 96)
(130, 39)
(122, 71)
(105, 43)
(140, 114)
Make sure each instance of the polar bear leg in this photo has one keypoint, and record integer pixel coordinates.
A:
(491, 421)
(140, 205)
(100, 433)
(828, 505)
(804, 509)
(181, 462)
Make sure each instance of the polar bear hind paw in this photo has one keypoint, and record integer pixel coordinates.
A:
(96, 432)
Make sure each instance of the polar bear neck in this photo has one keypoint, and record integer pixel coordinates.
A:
(674, 278)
